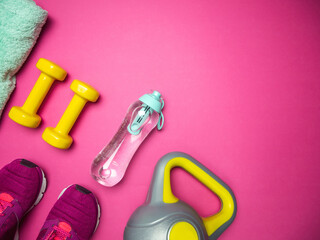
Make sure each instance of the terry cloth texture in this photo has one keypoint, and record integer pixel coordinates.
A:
(21, 22)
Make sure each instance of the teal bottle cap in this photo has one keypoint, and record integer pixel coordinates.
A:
(153, 100)
(156, 102)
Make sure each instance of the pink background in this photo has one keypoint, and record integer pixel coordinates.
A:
(241, 81)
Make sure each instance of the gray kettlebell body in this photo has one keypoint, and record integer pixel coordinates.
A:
(155, 219)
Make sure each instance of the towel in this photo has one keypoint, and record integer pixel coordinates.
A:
(21, 22)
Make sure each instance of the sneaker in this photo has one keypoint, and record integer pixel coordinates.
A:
(22, 185)
(74, 216)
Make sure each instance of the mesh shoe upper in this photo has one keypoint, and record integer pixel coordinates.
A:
(78, 208)
(20, 185)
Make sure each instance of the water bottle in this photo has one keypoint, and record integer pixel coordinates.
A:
(110, 165)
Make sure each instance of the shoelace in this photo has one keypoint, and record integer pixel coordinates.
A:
(57, 233)
(3, 206)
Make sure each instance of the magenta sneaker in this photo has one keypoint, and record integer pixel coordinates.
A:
(22, 184)
(74, 216)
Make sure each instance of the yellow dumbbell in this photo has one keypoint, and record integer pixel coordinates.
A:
(27, 114)
(59, 136)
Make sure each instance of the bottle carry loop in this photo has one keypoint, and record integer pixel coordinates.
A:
(161, 119)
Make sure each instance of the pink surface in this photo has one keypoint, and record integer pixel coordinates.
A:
(241, 85)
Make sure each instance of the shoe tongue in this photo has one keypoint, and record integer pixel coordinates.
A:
(65, 226)
(6, 197)
(5, 201)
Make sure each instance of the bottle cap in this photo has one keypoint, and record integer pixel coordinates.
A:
(155, 101)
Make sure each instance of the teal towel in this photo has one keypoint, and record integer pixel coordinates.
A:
(21, 22)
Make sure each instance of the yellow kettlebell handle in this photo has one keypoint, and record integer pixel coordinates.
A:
(228, 204)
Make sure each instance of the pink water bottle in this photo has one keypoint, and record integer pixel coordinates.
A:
(110, 165)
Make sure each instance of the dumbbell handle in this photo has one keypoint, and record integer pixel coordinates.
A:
(71, 114)
(38, 93)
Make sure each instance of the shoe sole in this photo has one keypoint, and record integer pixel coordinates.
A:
(40, 196)
(98, 206)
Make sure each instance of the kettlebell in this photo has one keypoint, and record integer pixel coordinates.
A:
(164, 217)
